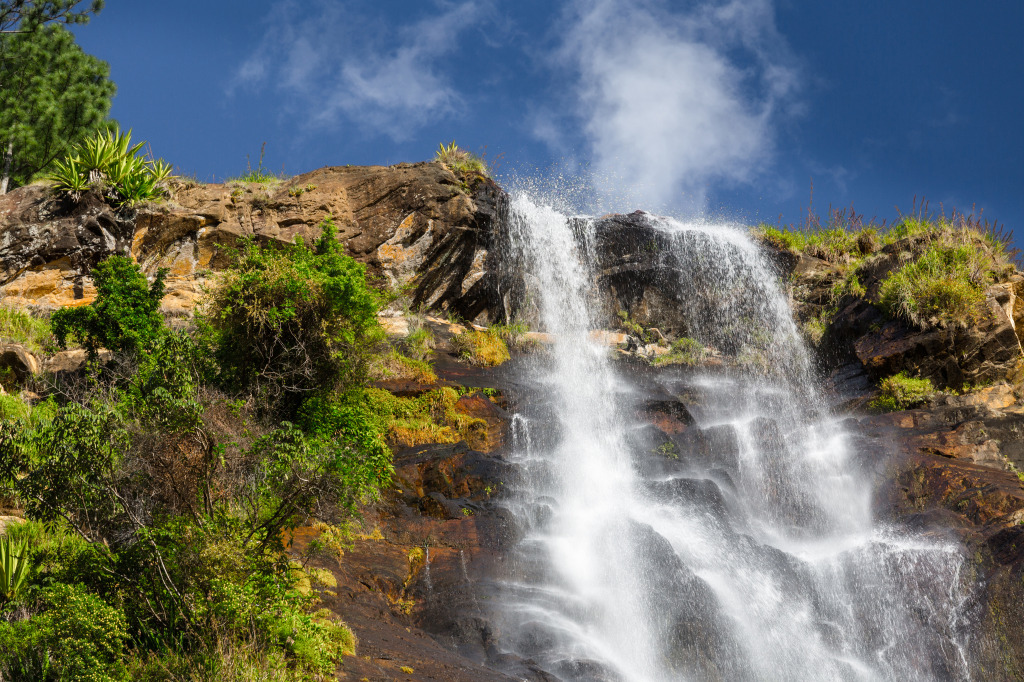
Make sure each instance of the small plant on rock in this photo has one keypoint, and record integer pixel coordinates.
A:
(460, 160)
(946, 285)
(484, 348)
(900, 392)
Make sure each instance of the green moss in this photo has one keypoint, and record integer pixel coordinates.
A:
(394, 365)
(900, 392)
(684, 351)
(484, 348)
(427, 418)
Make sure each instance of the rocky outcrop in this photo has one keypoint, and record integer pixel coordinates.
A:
(411, 224)
(986, 351)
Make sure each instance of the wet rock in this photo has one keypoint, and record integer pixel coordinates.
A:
(715, 446)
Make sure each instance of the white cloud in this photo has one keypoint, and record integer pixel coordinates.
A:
(337, 65)
(673, 101)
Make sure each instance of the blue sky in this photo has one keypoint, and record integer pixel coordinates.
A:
(730, 107)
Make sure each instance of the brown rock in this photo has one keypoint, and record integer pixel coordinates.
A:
(406, 222)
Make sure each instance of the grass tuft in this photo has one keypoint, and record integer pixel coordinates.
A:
(460, 160)
(34, 333)
(945, 286)
(483, 348)
(900, 392)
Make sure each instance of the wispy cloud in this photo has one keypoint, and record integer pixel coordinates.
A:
(338, 65)
(670, 100)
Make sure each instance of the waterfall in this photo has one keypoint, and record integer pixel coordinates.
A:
(745, 547)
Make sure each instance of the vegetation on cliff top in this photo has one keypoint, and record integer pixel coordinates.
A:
(159, 489)
(938, 268)
(460, 160)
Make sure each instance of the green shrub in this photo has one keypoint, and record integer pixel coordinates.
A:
(460, 160)
(945, 285)
(110, 161)
(900, 392)
(74, 636)
(125, 316)
(17, 326)
(293, 320)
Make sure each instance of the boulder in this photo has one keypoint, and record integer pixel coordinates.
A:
(16, 359)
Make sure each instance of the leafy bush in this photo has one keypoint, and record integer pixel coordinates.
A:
(900, 392)
(460, 160)
(125, 316)
(73, 636)
(484, 348)
(17, 326)
(945, 285)
(109, 160)
(294, 320)
(13, 408)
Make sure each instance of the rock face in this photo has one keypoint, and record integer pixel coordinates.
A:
(410, 223)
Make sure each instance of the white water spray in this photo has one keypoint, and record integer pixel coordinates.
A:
(753, 553)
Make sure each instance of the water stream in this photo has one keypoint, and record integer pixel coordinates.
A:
(743, 548)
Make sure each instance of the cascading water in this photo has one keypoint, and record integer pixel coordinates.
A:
(745, 548)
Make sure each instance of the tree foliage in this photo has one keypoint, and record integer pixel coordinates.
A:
(52, 95)
(28, 15)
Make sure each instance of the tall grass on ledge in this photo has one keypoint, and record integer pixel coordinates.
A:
(460, 160)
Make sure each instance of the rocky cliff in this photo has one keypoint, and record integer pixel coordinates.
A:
(406, 222)
(948, 467)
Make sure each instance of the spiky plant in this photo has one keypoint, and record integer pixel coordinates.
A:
(14, 565)
(110, 161)
(461, 160)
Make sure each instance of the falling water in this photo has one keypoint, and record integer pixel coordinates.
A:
(743, 549)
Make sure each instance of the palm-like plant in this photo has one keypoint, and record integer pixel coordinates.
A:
(70, 177)
(13, 567)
